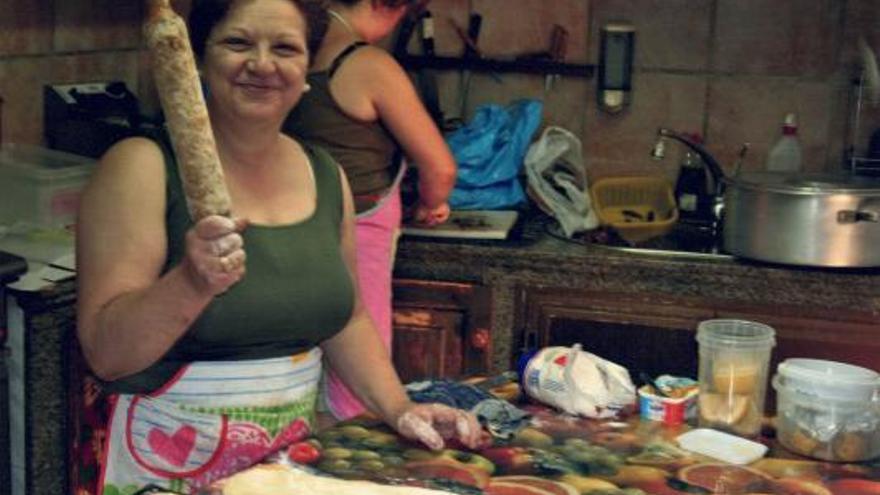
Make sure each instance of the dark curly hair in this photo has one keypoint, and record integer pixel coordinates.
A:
(206, 14)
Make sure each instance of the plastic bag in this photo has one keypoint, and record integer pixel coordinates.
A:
(489, 152)
(578, 382)
(558, 182)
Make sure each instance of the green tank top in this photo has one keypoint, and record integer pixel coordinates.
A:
(296, 293)
(365, 150)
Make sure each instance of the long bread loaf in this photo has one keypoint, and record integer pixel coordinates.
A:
(186, 115)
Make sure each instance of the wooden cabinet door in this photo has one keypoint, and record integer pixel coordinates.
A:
(645, 334)
(441, 329)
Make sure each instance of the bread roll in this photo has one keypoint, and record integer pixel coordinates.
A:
(186, 115)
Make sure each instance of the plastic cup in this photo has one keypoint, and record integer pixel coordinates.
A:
(734, 362)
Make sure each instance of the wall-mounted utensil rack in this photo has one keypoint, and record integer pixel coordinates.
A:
(477, 64)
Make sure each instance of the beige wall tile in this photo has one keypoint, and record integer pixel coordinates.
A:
(22, 81)
(778, 37)
(751, 109)
(25, 26)
(670, 34)
(508, 31)
(621, 144)
(87, 25)
(862, 18)
(447, 14)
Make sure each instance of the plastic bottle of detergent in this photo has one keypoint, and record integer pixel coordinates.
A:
(785, 155)
(576, 381)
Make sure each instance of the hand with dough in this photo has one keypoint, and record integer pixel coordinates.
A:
(215, 256)
(432, 424)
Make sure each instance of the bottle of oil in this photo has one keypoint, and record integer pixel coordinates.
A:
(691, 187)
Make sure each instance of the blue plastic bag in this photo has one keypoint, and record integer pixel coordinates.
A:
(489, 152)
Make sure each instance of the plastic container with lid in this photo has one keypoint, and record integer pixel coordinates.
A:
(828, 410)
(734, 356)
(829, 379)
(41, 186)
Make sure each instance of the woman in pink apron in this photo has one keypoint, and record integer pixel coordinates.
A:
(211, 336)
(364, 110)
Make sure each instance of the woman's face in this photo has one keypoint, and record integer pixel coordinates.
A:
(256, 60)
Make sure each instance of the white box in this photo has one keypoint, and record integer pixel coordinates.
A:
(41, 186)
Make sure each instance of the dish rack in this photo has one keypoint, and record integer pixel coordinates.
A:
(865, 92)
(638, 208)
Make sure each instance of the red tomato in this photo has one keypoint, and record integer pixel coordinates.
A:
(303, 452)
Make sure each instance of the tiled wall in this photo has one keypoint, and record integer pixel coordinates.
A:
(729, 69)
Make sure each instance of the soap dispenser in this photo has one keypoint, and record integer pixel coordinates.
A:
(614, 82)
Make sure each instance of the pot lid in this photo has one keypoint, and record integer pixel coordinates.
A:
(807, 183)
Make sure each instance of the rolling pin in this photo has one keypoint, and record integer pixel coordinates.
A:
(186, 115)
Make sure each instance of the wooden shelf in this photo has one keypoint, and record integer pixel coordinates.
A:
(536, 66)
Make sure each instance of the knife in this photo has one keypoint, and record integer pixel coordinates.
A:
(470, 51)
(428, 77)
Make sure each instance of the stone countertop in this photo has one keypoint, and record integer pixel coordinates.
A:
(535, 258)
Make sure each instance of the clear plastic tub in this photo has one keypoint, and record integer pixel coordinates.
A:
(826, 428)
(41, 186)
(734, 357)
(829, 379)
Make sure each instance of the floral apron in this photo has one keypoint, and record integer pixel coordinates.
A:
(213, 419)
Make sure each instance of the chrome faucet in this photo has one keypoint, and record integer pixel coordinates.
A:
(715, 170)
(716, 208)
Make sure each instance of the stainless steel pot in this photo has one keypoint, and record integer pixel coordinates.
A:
(801, 219)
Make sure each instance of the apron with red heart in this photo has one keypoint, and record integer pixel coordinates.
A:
(213, 419)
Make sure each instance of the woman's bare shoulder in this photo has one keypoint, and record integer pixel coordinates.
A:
(376, 62)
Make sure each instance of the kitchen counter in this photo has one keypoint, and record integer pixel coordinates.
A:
(534, 258)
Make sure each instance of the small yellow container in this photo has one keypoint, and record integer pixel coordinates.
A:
(638, 208)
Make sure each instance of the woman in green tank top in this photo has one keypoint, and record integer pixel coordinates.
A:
(178, 316)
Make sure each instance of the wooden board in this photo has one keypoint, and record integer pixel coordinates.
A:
(471, 224)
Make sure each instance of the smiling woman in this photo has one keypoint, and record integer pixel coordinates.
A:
(254, 62)
(206, 385)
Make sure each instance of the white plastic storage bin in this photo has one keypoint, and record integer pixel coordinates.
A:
(41, 186)
(828, 410)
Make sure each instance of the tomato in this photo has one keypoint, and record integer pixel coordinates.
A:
(303, 452)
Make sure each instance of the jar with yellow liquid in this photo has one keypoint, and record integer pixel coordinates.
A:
(734, 361)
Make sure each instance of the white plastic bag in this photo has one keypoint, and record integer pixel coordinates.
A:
(557, 180)
(578, 382)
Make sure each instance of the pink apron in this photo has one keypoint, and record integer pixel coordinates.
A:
(213, 419)
(376, 233)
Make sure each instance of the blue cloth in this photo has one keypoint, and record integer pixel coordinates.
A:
(490, 151)
(501, 418)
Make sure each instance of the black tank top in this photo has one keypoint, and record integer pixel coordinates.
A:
(366, 150)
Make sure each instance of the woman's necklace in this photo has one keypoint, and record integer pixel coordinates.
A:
(343, 21)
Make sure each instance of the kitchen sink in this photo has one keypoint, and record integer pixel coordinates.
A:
(670, 253)
(685, 241)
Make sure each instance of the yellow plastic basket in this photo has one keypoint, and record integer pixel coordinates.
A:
(638, 208)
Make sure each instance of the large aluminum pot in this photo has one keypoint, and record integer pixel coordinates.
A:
(801, 219)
